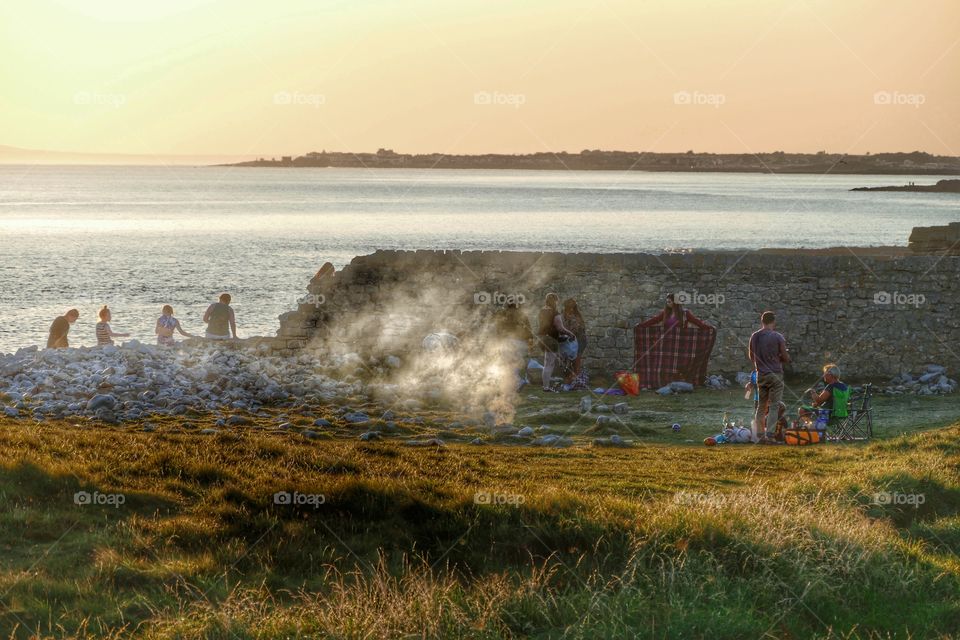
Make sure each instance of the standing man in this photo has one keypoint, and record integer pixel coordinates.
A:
(60, 328)
(768, 353)
(220, 320)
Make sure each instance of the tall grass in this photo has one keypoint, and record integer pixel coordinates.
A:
(654, 542)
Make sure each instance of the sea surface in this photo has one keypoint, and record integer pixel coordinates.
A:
(140, 237)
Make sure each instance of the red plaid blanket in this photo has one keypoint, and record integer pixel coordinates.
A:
(680, 353)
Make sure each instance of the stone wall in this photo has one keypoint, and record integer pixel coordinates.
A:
(874, 315)
(932, 240)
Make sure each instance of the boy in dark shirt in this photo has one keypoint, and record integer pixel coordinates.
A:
(60, 328)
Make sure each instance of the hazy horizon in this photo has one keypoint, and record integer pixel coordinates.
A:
(243, 79)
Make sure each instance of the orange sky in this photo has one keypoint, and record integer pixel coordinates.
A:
(470, 76)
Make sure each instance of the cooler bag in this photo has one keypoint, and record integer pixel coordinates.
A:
(802, 436)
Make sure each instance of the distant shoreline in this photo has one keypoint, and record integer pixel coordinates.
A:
(916, 163)
(942, 186)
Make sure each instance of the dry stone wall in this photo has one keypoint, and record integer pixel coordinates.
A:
(875, 316)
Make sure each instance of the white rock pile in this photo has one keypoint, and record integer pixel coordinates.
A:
(933, 380)
(136, 380)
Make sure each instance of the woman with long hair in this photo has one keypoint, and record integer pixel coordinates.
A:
(549, 329)
(673, 314)
(573, 320)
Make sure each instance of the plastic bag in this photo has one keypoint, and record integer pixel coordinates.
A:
(629, 382)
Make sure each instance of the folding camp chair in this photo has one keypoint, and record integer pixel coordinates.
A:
(858, 423)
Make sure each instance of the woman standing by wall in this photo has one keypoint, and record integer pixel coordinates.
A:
(573, 320)
(549, 329)
(674, 345)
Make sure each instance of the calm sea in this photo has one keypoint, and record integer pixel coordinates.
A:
(139, 237)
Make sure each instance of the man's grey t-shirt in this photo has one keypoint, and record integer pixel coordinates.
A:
(765, 347)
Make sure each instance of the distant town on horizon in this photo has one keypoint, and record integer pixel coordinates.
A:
(915, 163)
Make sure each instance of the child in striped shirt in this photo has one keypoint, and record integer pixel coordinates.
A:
(105, 334)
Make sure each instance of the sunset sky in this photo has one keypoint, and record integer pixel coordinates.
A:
(471, 76)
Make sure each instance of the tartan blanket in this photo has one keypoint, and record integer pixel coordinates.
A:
(680, 353)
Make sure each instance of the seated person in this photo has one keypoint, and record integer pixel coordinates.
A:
(833, 398)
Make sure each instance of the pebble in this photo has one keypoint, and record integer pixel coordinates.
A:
(322, 422)
(432, 442)
(525, 432)
(621, 407)
(100, 401)
(502, 429)
(208, 431)
(104, 414)
(552, 441)
(369, 435)
(356, 417)
(238, 421)
(717, 382)
(612, 441)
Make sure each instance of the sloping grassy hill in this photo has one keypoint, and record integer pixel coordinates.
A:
(657, 541)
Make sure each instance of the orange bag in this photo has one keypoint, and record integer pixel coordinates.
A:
(629, 382)
(802, 437)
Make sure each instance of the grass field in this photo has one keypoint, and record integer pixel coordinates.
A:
(668, 539)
